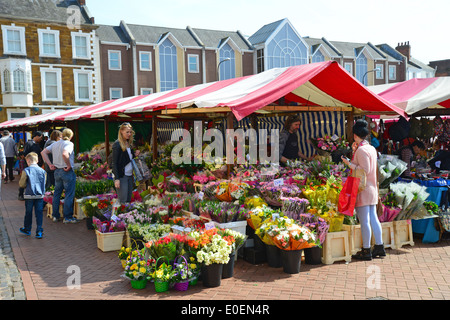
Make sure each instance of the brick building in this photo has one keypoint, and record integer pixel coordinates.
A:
(138, 59)
(48, 57)
(442, 67)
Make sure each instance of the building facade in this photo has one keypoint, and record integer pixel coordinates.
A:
(442, 67)
(138, 59)
(48, 58)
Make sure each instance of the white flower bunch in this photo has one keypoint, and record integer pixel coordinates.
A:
(217, 251)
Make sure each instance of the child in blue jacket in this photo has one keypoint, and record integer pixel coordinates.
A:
(33, 181)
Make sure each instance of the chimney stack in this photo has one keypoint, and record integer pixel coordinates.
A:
(405, 49)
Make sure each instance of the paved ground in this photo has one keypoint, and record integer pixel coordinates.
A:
(46, 269)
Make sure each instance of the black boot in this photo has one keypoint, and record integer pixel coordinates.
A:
(364, 254)
(378, 251)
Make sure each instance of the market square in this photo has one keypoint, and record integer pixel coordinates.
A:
(191, 164)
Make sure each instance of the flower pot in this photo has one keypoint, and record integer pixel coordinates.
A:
(273, 255)
(212, 274)
(291, 260)
(139, 284)
(228, 269)
(313, 255)
(89, 224)
(109, 241)
(161, 286)
(193, 282)
(259, 244)
(181, 286)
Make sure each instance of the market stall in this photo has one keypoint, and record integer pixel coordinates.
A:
(427, 102)
(192, 217)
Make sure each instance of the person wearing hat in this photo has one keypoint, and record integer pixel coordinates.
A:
(288, 142)
(9, 145)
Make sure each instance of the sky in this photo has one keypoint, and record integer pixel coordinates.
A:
(424, 23)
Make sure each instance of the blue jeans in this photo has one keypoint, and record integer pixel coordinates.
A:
(368, 219)
(38, 205)
(64, 181)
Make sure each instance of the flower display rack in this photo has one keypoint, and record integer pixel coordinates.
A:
(336, 247)
(50, 210)
(403, 233)
(77, 211)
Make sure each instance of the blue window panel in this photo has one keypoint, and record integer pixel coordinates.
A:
(286, 49)
(318, 57)
(227, 69)
(361, 69)
(168, 66)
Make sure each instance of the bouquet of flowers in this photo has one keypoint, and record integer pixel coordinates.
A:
(411, 197)
(234, 237)
(108, 225)
(223, 193)
(294, 207)
(391, 207)
(317, 224)
(288, 235)
(431, 207)
(154, 231)
(257, 215)
(273, 194)
(162, 247)
(213, 248)
(238, 190)
(137, 267)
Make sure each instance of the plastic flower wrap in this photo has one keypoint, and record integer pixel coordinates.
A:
(328, 212)
(294, 207)
(411, 197)
(391, 207)
(254, 202)
(286, 234)
(259, 214)
(389, 169)
(315, 223)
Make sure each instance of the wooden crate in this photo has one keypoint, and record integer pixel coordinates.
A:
(354, 237)
(403, 234)
(388, 235)
(50, 210)
(110, 241)
(336, 248)
(77, 211)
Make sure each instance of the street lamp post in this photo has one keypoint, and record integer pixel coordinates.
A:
(363, 79)
(218, 73)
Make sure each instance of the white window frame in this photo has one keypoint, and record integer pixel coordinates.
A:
(44, 72)
(76, 73)
(149, 89)
(149, 59)
(23, 50)
(395, 72)
(41, 33)
(115, 89)
(25, 111)
(88, 45)
(380, 73)
(197, 64)
(351, 67)
(119, 68)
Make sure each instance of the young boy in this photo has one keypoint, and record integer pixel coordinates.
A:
(33, 181)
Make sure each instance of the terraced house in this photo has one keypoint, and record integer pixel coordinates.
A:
(139, 59)
(49, 59)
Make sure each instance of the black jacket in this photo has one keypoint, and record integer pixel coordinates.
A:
(119, 160)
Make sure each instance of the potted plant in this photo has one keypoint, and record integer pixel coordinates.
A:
(162, 275)
(137, 269)
(213, 254)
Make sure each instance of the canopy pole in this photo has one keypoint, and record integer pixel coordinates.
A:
(106, 122)
(350, 117)
(154, 138)
(77, 136)
(230, 122)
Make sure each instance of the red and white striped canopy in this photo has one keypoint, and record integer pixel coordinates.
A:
(317, 84)
(40, 118)
(416, 94)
